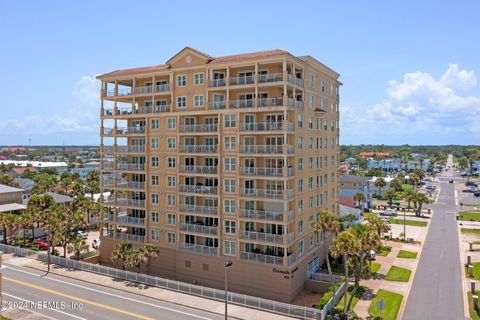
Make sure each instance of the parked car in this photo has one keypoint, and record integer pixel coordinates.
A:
(430, 187)
(389, 212)
(450, 181)
(96, 243)
(471, 184)
(470, 189)
(82, 234)
(41, 244)
(476, 193)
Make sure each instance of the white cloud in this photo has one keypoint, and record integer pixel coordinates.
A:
(421, 104)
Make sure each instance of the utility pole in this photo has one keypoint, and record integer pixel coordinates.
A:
(228, 264)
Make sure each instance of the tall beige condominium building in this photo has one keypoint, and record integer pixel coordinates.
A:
(216, 159)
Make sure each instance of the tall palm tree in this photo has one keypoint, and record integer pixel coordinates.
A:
(77, 246)
(359, 198)
(409, 196)
(66, 181)
(121, 253)
(150, 252)
(377, 224)
(421, 199)
(380, 183)
(93, 182)
(9, 224)
(135, 258)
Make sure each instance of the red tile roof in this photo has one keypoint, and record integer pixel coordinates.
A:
(375, 154)
(124, 72)
(13, 149)
(249, 56)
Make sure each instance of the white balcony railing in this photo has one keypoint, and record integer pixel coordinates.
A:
(257, 171)
(277, 149)
(131, 130)
(271, 77)
(206, 210)
(217, 83)
(294, 80)
(267, 126)
(214, 105)
(130, 185)
(130, 166)
(128, 220)
(130, 237)
(136, 149)
(237, 81)
(108, 131)
(162, 88)
(270, 102)
(294, 103)
(143, 90)
(263, 237)
(131, 203)
(199, 169)
(199, 249)
(198, 148)
(198, 189)
(199, 128)
(153, 109)
(267, 215)
(196, 228)
(240, 104)
(267, 193)
(261, 258)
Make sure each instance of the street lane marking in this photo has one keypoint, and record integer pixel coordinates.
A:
(112, 294)
(59, 311)
(456, 197)
(135, 315)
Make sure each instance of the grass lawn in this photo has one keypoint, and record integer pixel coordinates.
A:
(407, 254)
(406, 187)
(470, 231)
(476, 271)
(375, 267)
(470, 215)
(472, 205)
(398, 274)
(347, 296)
(413, 223)
(384, 251)
(340, 268)
(475, 315)
(392, 303)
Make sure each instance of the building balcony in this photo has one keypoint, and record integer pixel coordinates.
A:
(120, 236)
(293, 103)
(217, 83)
(267, 216)
(267, 149)
(240, 104)
(198, 148)
(270, 78)
(267, 172)
(152, 89)
(130, 131)
(267, 193)
(295, 81)
(195, 128)
(131, 149)
(238, 81)
(267, 126)
(128, 203)
(130, 166)
(199, 169)
(199, 249)
(201, 210)
(124, 219)
(216, 105)
(261, 258)
(198, 189)
(263, 237)
(122, 184)
(270, 102)
(196, 228)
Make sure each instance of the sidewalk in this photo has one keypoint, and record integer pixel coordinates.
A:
(152, 292)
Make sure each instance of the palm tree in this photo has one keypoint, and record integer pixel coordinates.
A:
(377, 224)
(380, 183)
(135, 257)
(121, 252)
(77, 246)
(390, 194)
(66, 181)
(9, 224)
(421, 199)
(93, 182)
(150, 252)
(410, 196)
(359, 198)
(24, 222)
(396, 184)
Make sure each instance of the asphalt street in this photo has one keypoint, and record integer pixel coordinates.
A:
(436, 292)
(64, 298)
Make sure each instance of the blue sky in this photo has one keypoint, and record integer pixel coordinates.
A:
(410, 68)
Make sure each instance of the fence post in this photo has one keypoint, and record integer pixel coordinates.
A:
(472, 286)
(469, 259)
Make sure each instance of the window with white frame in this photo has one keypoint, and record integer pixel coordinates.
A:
(171, 181)
(310, 122)
(154, 234)
(230, 143)
(171, 162)
(229, 248)
(171, 143)
(300, 248)
(310, 202)
(154, 143)
(311, 80)
(198, 101)
(300, 142)
(154, 180)
(300, 227)
(230, 185)
(171, 237)
(322, 86)
(171, 123)
(154, 217)
(154, 198)
(300, 120)
(199, 78)
(300, 164)
(230, 205)
(171, 219)
(230, 227)
(311, 101)
(182, 80)
(310, 162)
(300, 206)
(154, 162)
(310, 183)
(171, 200)
(300, 185)
(310, 143)
(230, 164)
(154, 123)
(230, 121)
(181, 102)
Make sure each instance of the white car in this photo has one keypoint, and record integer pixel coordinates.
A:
(389, 212)
(372, 254)
(96, 243)
(82, 234)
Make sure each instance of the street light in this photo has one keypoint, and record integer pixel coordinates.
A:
(228, 264)
(49, 240)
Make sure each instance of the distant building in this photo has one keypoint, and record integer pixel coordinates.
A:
(10, 202)
(346, 210)
(351, 185)
(13, 149)
(38, 165)
(416, 164)
(394, 164)
(82, 170)
(26, 185)
(374, 154)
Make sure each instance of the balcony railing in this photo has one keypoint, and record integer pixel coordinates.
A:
(162, 88)
(190, 208)
(265, 237)
(294, 103)
(198, 148)
(214, 105)
(240, 104)
(217, 83)
(241, 81)
(136, 149)
(130, 237)
(198, 189)
(124, 92)
(130, 185)
(294, 80)
(143, 90)
(131, 130)
(261, 258)
(270, 102)
(130, 166)
(267, 193)
(128, 220)
(199, 128)
(277, 149)
(199, 169)
(108, 131)
(126, 203)
(199, 249)
(257, 171)
(271, 77)
(267, 215)
(267, 126)
(196, 228)
(153, 109)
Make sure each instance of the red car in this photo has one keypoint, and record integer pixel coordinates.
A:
(42, 244)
